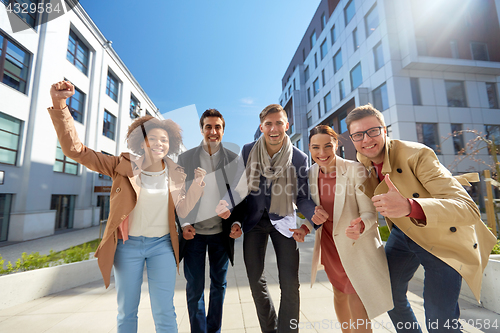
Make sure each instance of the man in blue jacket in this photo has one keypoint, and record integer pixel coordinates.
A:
(276, 179)
(203, 230)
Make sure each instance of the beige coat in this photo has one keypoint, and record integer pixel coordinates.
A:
(364, 259)
(453, 231)
(124, 170)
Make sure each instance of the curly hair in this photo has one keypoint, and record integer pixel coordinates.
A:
(135, 136)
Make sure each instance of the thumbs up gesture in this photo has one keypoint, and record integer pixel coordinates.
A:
(391, 204)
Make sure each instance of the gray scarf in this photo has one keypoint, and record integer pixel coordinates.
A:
(281, 172)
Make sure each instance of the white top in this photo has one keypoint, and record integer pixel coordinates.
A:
(149, 217)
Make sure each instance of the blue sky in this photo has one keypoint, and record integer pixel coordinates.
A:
(228, 55)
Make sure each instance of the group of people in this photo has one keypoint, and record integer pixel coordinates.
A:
(162, 212)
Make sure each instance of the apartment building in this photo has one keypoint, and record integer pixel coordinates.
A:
(432, 68)
(41, 190)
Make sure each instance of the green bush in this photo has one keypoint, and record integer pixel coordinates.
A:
(496, 248)
(35, 260)
(384, 232)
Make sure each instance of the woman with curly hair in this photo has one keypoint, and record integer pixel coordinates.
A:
(148, 188)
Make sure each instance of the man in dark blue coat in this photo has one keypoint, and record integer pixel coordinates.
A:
(203, 230)
(275, 173)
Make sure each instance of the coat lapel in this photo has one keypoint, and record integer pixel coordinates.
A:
(340, 191)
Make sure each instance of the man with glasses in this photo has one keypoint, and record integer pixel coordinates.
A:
(433, 222)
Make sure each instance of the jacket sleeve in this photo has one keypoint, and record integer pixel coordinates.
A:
(305, 204)
(73, 148)
(448, 199)
(367, 212)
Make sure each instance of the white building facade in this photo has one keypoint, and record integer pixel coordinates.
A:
(43, 191)
(431, 67)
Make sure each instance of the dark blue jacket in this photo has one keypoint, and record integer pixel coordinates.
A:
(258, 201)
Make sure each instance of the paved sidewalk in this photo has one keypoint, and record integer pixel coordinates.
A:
(43, 245)
(92, 308)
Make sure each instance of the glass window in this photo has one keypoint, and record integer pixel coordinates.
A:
(25, 12)
(454, 49)
(479, 51)
(290, 90)
(323, 77)
(315, 60)
(112, 86)
(294, 88)
(309, 95)
(64, 205)
(312, 39)
(103, 203)
(327, 102)
(306, 74)
(78, 52)
(10, 132)
(380, 98)
(135, 107)
(303, 54)
(323, 21)
(316, 87)
(349, 11)
(371, 20)
(342, 123)
(356, 76)
(455, 93)
(5, 205)
(491, 90)
(109, 125)
(341, 90)
(319, 110)
(309, 119)
(427, 134)
(492, 132)
(324, 49)
(378, 55)
(334, 34)
(458, 139)
(14, 65)
(337, 61)
(63, 163)
(76, 105)
(415, 91)
(355, 41)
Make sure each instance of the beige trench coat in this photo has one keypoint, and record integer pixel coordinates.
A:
(124, 170)
(364, 259)
(453, 231)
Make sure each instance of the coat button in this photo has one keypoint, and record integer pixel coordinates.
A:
(399, 170)
(118, 190)
(453, 229)
(475, 246)
(416, 195)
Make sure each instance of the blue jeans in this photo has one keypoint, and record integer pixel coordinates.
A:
(194, 271)
(158, 255)
(441, 286)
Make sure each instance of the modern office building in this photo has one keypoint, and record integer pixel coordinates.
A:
(432, 68)
(41, 190)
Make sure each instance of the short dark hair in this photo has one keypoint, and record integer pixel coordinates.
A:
(271, 108)
(135, 137)
(323, 129)
(364, 111)
(212, 113)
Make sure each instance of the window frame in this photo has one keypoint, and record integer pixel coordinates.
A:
(381, 88)
(494, 94)
(112, 78)
(421, 136)
(464, 93)
(416, 96)
(74, 53)
(339, 54)
(106, 129)
(378, 56)
(74, 111)
(350, 75)
(25, 68)
(327, 105)
(323, 50)
(471, 45)
(316, 87)
(312, 41)
(65, 161)
(346, 9)
(372, 10)
(19, 123)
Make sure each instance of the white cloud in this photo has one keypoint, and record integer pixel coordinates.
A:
(247, 101)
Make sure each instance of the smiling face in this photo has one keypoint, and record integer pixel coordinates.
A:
(212, 131)
(373, 148)
(158, 143)
(274, 127)
(322, 148)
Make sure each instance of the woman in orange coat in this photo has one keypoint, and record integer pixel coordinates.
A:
(147, 188)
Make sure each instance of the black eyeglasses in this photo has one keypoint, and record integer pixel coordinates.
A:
(371, 132)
